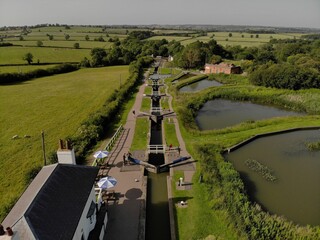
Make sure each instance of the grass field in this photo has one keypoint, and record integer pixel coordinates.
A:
(14, 55)
(236, 39)
(63, 43)
(23, 68)
(57, 105)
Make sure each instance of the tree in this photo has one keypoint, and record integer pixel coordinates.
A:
(85, 62)
(28, 57)
(215, 59)
(257, 35)
(87, 37)
(67, 36)
(39, 43)
(98, 55)
(50, 37)
(230, 34)
(21, 38)
(76, 45)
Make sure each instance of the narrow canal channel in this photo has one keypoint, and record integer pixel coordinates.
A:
(157, 215)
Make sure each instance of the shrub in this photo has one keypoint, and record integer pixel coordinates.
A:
(11, 78)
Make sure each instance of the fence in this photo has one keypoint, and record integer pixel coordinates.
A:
(111, 142)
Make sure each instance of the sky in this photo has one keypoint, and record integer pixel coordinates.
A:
(278, 13)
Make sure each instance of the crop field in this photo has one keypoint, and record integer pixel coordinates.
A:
(57, 105)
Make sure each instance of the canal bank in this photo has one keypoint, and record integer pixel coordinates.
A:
(127, 213)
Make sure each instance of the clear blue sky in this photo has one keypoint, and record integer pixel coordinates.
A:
(287, 13)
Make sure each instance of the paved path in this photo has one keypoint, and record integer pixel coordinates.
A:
(124, 213)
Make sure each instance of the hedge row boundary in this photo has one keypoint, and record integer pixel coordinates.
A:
(13, 78)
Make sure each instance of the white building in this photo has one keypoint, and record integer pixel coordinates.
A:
(60, 203)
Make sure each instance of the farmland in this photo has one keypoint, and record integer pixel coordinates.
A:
(57, 105)
(223, 38)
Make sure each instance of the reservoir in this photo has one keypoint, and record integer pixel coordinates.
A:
(200, 85)
(220, 113)
(295, 193)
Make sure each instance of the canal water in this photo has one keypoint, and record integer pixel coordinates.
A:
(200, 85)
(221, 113)
(296, 192)
(157, 212)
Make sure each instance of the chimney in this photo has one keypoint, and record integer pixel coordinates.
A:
(66, 153)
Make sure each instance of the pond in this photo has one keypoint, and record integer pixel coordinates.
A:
(200, 85)
(220, 113)
(295, 193)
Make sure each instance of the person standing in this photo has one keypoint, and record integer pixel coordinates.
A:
(124, 159)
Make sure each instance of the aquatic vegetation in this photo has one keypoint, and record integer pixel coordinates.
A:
(313, 146)
(260, 168)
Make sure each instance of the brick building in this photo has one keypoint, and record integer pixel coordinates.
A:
(225, 68)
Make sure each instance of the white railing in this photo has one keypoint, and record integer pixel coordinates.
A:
(114, 138)
(156, 149)
(111, 142)
(155, 109)
(155, 93)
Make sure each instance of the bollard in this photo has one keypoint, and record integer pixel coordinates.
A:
(180, 181)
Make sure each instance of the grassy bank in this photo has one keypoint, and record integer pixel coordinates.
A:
(140, 139)
(221, 192)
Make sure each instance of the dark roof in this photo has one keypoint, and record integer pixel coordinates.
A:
(56, 210)
(27, 197)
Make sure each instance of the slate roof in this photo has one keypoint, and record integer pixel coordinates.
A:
(56, 210)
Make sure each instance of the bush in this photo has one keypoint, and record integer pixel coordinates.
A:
(285, 76)
(11, 78)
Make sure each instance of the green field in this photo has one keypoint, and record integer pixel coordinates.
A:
(57, 105)
(236, 39)
(14, 55)
(23, 68)
(63, 43)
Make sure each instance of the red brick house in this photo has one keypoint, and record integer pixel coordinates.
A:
(225, 68)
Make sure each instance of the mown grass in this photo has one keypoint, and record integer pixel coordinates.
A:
(199, 220)
(170, 133)
(145, 105)
(57, 105)
(140, 139)
(14, 55)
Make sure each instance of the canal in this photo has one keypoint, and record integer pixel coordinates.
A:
(157, 212)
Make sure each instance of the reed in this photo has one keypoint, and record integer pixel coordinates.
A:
(263, 170)
(313, 146)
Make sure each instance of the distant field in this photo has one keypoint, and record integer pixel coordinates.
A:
(236, 39)
(57, 105)
(13, 55)
(169, 38)
(64, 44)
(23, 68)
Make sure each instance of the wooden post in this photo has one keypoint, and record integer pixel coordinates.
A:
(43, 149)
